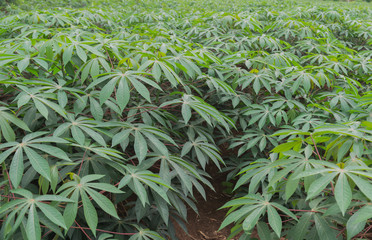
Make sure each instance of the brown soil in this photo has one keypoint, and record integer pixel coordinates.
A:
(205, 225)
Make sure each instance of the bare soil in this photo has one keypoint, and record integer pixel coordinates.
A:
(205, 225)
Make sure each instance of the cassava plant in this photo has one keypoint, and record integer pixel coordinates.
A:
(112, 115)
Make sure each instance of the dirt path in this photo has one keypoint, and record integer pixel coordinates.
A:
(205, 225)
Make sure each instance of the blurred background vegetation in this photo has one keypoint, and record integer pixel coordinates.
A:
(11, 6)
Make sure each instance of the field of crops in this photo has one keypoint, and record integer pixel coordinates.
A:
(115, 116)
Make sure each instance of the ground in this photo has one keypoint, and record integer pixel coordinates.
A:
(205, 225)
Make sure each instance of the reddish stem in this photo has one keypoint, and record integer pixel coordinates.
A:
(10, 184)
(299, 210)
(317, 152)
(82, 229)
(82, 161)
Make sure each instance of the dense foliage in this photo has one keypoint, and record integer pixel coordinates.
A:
(110, 118)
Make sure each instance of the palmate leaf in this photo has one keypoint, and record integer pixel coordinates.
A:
(58, 86)
(206, 111)
(69, 45)
(38, 163)
(249, 209)
(80, 127)
(92, 67)
(203, 152)
(123, 91)
(187, 173)
(253, 139)
(162, 67)
(352, 129)
(146, 234)
(258, 80)
(6, 130)
(185, 63)
(304, 78)
(41, 101)
(9, 58)
(258, 171)
(343, 191)
(137, 179)
(82, 187)
(145, 137)
(262, 114)
(233, 57)
(107, 153)
(33, 206)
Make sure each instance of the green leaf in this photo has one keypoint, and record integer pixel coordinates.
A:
(23, 64)
(81, 53)
(67, 54)
(16, 121)
(6, 130)
(23, 192)
(251, 220)
(122, 94)
(62, 98)
(363, 185)
(10, 205)
(77, 134)
(90, 213)
(97, 137)
(90, 178)
(38, 163)
(284, 210)
(14, 226)
(291, 187)
(140, 146)
(357, 221)
(302, 227)
(54, 151)
(96, 109)
(263, 231)
(103, 202)
(16, 168)
(274, 220)
(57, 108)
(186, 112)
(53, 198)
(140, 191)
(141, 89)
(159, 146)
(318, 185)
(4, 155)
(120, 137)
(41, 108)
(324, 230)
(104, 186)
(107, 91)
(235, 216)
(52, 213)
(311, 172)
(343, 193)
(33, 230)
(71, 209)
